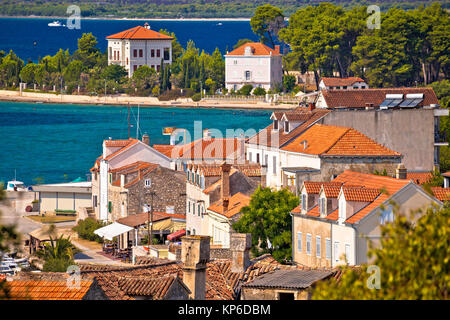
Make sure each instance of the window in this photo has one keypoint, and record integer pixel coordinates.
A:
(199, 210)
(347, 253)
(94, 201)
(363, 87)
(170, 209)
(303, 202)
(336, 251)
(197, 181)
(274, 165)
(342, 208)
(110, 52)
(152, 53)
(257, 157)
(135, 53)
(318, 247)
(158, 67)
(235, 61)
(193, 208)
(148, 183)
(193, 231)
(345, 87)
(109, 206)
(141, 53)
(266, 159)
(308, 244)
(134, 67)
(127, 61)
(247, 75)
(286, 126)
(166, 53)
(250, 156)
(202, 182)
(299, 241)
(158, 53)
(286, 296)
(189, 206)
(192, 178)
(187, 175)
(328, 249)
(322, 205)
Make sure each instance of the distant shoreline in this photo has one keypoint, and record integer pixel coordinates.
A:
(50, 98)
(129, 19)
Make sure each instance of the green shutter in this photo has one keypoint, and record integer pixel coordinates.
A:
(109, 206)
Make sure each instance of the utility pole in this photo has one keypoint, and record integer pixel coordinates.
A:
(149, 222)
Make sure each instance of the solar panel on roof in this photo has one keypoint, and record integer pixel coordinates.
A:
(385, 103)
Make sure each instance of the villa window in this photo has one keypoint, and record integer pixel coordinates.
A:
(135, 53)
(275, 124)
(199, 210)
(322, 205)
(274, 165)
(304, 204)
(318, 247)
(110, 52)
(286, 126)
(347, 253)
(250, 156)
(257, 158)
(135, 67)
(158, 67)
(336, 251)
(152, 53)
(141, 54)
(166, 53)
(247, 75)
(158, 53)
(148, 183)
(187, 175)
(328, 249)
(308, 244)
(299, 241)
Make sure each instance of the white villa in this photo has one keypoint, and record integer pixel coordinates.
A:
(253, 63)
(139, 46)
(342, 83)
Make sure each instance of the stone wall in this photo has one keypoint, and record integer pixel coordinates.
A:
(169, 187)
(220, 253)
(271, 294)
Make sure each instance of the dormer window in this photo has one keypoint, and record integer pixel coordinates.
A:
(286, 126)
(188, 175)
(275, 124)
(342, 209)
(303, 202)
(322, 206)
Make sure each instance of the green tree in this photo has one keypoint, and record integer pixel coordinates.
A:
(267, 22)
(259, 91)
(288, 83)
(246, 90)
(10, 69)
(413, 259)
(114, 72)
(268, 219)
(73, 71)
(27, 74)
(87, 51)
(241, 42)
(177, 49)
(58, 254)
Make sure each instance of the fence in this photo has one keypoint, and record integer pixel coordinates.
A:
(265, 98)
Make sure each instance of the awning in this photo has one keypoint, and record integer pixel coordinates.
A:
(166, 225)
(112, 230)
(176, 235)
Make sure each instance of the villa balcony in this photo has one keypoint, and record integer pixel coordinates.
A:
(440, 139)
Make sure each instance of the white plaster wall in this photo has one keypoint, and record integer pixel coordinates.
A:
(344, 235)
(194, 221)
(219, 229)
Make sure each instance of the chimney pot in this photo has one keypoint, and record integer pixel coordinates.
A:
(195, 254)
(146, 139)
(240, 244)
(401, 172)
(225, 188)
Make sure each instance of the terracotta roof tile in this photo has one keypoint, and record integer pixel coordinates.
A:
(140, 33)
(236, 203)
(258, 49)
(419, 177)
(336, 141)
(442, 194)
(357, 98)
(45, 290)
(360, 194)
(314, 187)
(338, 82)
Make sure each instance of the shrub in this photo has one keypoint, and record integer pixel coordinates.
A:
(85, 229)
(245, 90)
(57, 265)
(196, 97)
(175, 94)
(259, 91)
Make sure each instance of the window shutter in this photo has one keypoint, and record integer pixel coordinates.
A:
(299, 241)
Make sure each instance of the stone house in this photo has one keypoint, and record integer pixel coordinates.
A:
(119, 154)
(335, 221)
(133, 186)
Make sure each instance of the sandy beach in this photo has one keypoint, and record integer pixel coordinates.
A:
(131, 19)
(121, 100)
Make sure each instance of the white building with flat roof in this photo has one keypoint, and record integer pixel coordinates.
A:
(253, 63)
(139, 46)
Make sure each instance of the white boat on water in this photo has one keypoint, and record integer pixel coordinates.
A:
(55, 24)
(15, 185)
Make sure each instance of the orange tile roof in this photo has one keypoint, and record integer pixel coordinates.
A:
(297, 209)
(117, 143)
(314, 187)
(250, 169)
(313, 212)
(357, 98)
(235, 205)
(338, 82)
(336, 141)
(131, 142)
(442, 194)
(258, 49)
(446, 174)
(140, 33)
(419, 177)
(371, 181)
(269, 137)
(45, 290)
(360, 194)
(203, 149)
(331, 191)
(333, 215)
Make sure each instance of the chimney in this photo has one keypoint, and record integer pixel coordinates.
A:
(146, 139)
(195, 256)
(240, 244)
(311, 106)
(225, 203)
(225, 190)
(400, 172)
(277, 49)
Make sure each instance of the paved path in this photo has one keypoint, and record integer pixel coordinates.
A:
(9, 216)
(91, 256)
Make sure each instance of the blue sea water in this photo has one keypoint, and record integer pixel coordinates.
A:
(31, 38)
(61, 142)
